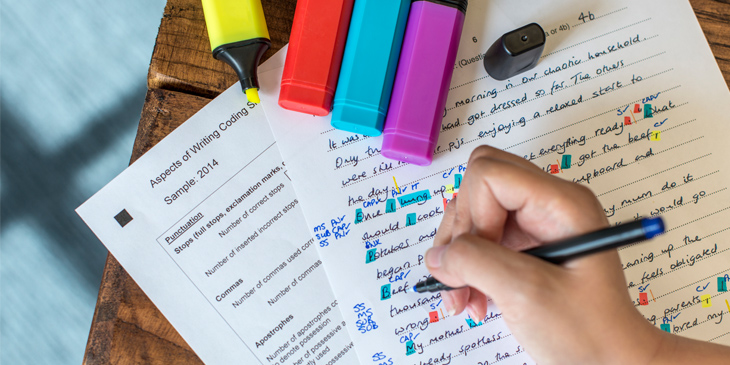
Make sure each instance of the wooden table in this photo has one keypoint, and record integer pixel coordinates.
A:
(183, 77)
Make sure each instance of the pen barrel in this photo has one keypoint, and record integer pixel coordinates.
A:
(316, 44)
(605, 239)
(422, 81)
(368, 66)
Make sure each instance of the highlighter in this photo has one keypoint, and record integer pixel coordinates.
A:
(422, 80)
(369, 64)
(238, 37)
(316, 44)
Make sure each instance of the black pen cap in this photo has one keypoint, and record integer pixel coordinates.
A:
(244, 57)
(458, 4)
(515, 52)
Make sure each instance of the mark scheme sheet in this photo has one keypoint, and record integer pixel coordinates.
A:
(208, 225)
(626, 100)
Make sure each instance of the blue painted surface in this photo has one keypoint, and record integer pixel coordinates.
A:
(73, 85)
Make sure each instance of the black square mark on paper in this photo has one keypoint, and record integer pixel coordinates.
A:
(123, 218)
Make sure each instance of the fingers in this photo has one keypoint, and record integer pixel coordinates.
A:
(443, 234)
(491, 269)
(545, 207)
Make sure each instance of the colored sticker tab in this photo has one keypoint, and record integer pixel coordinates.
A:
(417, 197)
(358, 216)
(390, 206)
(433, 317)
(555, 169)
(666, 327)
(385, 292)
(449, 189)
(472, 324)
(411, 219)
(706, 301)
(643, 299)
(637, 108)
(721, 284)
(627, 120)
(655, 136)
(446, 201)
(370, 256)
(410, 348)
(648, 112)
(566, 162)
(454, 197)
(457, 181)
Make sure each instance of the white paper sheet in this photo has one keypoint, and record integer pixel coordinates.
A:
(218, 242)
(601, 59)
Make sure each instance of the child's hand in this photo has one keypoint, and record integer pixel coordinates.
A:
(579, 312)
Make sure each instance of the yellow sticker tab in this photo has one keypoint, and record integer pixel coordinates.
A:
(706, 301)
(449, 189)
(655, 136)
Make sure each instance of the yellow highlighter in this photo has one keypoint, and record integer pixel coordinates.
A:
(238, 37)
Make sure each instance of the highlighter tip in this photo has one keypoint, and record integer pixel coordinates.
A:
(253, 95)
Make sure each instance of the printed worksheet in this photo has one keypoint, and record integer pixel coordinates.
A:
(208, 225)
(626, 100)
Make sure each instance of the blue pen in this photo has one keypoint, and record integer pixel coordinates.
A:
(369, 64)
(590, 243)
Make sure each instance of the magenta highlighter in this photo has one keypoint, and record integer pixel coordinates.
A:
(422, 80)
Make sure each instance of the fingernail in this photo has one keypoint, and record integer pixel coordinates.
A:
(433, 256)
(448, 303)
(472, 313)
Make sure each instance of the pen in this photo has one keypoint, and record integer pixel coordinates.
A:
(587, 244)
(238, 37)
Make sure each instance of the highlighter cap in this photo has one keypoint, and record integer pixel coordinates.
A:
(515, 52)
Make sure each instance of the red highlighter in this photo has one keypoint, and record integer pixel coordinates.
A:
(317, 41)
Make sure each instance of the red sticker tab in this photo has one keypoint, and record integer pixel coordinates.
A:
(643, 299)
(433, 317)
(555, 169)
(627, 120)
(637, 108)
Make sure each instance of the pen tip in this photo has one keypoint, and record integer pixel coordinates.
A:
(253, 95)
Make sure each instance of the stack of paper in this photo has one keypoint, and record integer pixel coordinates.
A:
(307, 259)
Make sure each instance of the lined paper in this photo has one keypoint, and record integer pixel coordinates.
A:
(626, 100)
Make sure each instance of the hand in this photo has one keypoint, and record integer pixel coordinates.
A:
(579, 312)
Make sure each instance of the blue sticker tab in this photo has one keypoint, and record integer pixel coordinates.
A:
(417, 197)
(457, 181)
(721, 284)
(472, 324)
(358, 216)
(410, 348)
(385, 292)
(565, 164)
(370, 256)
(390, 206)
(411, 219)
(666, 327)
(648, 112)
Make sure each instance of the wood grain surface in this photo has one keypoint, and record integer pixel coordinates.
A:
(183, 77)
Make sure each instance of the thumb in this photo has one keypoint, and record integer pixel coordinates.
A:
(494, 270)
